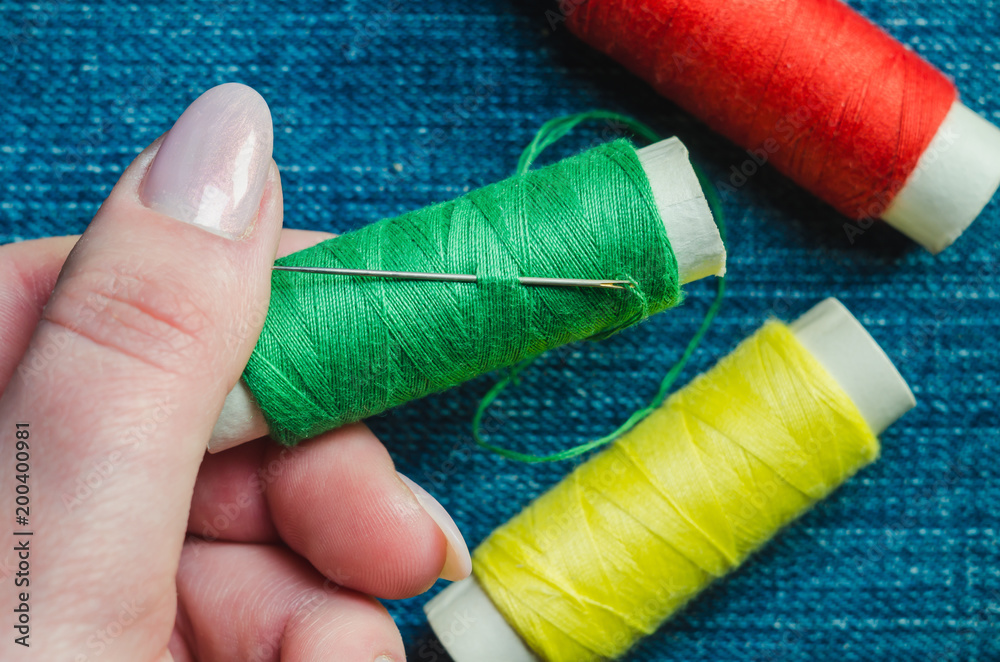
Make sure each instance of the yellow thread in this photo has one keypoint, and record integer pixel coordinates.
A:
(630, 536)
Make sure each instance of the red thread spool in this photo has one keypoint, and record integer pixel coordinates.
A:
(809, 85)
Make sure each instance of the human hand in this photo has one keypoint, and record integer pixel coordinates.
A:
(143, 547)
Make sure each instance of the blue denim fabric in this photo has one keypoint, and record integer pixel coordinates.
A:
(384, 106)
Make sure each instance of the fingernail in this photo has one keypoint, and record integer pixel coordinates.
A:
(212, 166)
(384, 658)
(458, 562)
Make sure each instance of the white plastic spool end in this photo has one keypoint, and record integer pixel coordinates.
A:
(681, 202)
(955, 178)
(852, 357)
(471, 629)
(240, 421)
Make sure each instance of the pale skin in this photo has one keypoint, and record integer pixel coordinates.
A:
(118, 350)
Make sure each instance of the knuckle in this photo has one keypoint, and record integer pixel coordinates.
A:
(155, 321)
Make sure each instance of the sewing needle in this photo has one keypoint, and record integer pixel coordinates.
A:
(456, 278)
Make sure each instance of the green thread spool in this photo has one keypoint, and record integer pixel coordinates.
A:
(335, 350)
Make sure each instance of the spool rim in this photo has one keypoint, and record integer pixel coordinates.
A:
(955, 178)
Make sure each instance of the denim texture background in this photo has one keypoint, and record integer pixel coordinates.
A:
(385, 106)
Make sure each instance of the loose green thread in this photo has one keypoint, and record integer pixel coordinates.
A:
(335, 350)
(550, 132)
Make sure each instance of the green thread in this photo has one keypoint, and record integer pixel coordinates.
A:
(334, 350)
(550, 132)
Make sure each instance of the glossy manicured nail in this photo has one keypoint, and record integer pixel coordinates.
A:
(212, 166)
(458, 562)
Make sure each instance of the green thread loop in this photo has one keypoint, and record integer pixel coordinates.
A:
(334, 350)
(549, 133)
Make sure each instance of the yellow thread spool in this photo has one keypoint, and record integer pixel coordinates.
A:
(630, 536)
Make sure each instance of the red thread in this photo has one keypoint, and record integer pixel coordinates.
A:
(809, 85)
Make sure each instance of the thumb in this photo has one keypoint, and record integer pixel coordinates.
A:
(149, 326)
